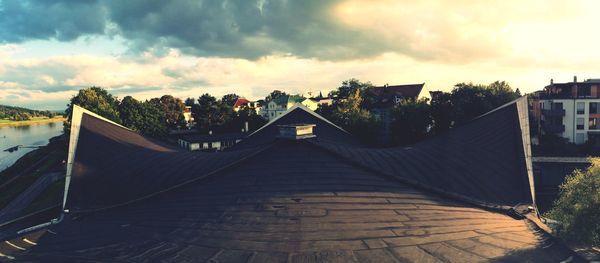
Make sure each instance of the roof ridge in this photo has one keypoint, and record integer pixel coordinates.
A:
(296, 106)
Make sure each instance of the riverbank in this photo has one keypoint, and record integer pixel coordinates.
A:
(4, 123)
(23, 173)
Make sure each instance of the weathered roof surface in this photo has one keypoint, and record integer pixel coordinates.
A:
(114, 165)
(132, 199)
(322, 209)
(483, 160)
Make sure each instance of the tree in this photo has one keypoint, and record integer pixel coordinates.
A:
(352, 117)
(349, 88)
(412, 121)
(144, 117)
(577, 208)
(442, 112)
(274, 95)
(173, 110)
(470, 100)
(130, 112)
(190, 102)
(94, 99)
(229, 99)
(153, 123)
(210, 113)
(238, 121)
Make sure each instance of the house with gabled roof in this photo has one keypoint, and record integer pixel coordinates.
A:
(280, 105)
(300, 189)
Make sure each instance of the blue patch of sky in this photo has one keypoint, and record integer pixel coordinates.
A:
(89, 45)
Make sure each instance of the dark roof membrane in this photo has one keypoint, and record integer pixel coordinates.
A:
(315, 200)
(114, 166)
(483, 160)
(307, 205)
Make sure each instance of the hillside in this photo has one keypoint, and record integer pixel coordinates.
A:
(20, 114)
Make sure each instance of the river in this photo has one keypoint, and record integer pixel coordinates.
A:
(34, 134)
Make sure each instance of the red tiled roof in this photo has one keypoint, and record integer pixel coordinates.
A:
(240, 102)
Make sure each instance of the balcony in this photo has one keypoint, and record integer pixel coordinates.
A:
(553, 128)
(554, 113)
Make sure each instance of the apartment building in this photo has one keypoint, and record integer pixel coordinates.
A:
(570, 110)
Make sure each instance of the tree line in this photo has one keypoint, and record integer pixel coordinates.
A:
(22, 114)
(412, 120)
(156, 116)
(353, 109)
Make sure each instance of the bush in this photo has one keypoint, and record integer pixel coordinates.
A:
(577, 208)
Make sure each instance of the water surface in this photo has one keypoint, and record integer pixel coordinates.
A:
(28, 135)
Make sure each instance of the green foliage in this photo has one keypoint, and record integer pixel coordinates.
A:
(190, 102)
(442, 112)
(349, 88)
(467, 101)
(237, 121)
(210, 112)
(274, 95)
(94, 99)
(144, 117)
(21, 114)
(172, 109)
(229, 99)
(411, 121)
(577, 208)
(353, 118)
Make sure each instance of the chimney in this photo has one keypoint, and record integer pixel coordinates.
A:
(575, 79)
(297, 131)
(551, 81)
(209, 132)
(246, 126)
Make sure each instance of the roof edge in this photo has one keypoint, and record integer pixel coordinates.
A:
(302, 107)
(76, 118)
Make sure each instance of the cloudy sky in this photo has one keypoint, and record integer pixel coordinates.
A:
(50, 49)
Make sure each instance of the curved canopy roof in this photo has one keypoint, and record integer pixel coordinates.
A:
(325, 199)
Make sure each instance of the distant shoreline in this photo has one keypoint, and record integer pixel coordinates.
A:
(29, 122)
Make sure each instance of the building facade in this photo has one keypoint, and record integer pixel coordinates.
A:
(280, 105)
(570, 110)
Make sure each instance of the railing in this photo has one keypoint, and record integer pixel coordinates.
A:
(554, 112)
(553, 128)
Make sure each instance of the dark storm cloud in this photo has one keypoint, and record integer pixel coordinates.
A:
(22, 20)
(242, 28)
(235, 28)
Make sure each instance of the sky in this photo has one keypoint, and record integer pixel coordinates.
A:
(51, 49)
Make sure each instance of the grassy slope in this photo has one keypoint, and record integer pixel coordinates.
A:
(35, 120)
(29, 168)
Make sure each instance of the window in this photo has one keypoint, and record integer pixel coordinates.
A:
(580, 123)
(557, 106)
(593, 107)
(579, 138)
(593, 124)
(585, 91)
(580, 107)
